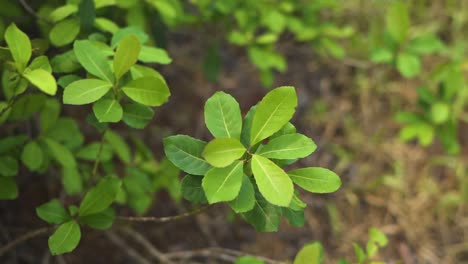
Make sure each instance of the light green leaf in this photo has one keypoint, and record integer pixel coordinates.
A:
(93, 150)
(101, 221)
(381, 55)
(426, 44)
(126, 55)
(105, 24)
(118, 145)
(8, 189)
(290, 146)
(221, 152)
(265, 217)
(60, 153)
(19, 45)
(71, 180)
(186, 153)
(137, 115)
(108, 110)
(223, 184)
(272, 113)
(122, 33)
(42, 80)
(32, 156)
(408, 64)
(223, 116)
(360, 254)
(62, 12)
(248, 260)
(272, 181)
(154, 55)
(100, 197)
(93, 60)
(85, 91)
(150, 91)
(192, 190)
(316, 179)
(398, 21)
(245, 201)
(41, 62)
(64, 32)
(52, 212)
(440, 112)
(65, 238)
(8, 166)
(50, 114)
(377, 236)
(310, 253)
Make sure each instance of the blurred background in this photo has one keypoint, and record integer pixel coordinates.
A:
(382, 91)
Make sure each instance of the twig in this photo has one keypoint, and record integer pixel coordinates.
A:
(31, 11)
(9, 105)
(98, 156)
(163, 219)
(126, 248)
(23, 238)
(216, 252)
(146, 244)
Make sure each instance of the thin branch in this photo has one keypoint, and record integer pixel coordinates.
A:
(24, 238)
(146, 244)
(114, 238)
(163, 219)
(31, 11)
(98, 156)
(216, 252)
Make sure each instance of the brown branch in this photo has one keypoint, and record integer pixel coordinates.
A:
(219, 253)
(114, 238)
(24, 238)
(163, 219)
(147, 244)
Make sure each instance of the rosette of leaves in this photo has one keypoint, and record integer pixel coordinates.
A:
(94, 211)
(243, 164)
(439, 110)
(399, 48)
(111, 83)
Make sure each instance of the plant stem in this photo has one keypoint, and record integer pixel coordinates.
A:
(98, 156)
(31, 11)
(24, 238)
(164, 219)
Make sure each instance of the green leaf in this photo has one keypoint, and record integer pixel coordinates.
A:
(295, 218)
(137, 115)
(108, 110)
(105, 24)
(8, 166)
(423, 131)
(50, 114)
(32, 156)
(186, 153)
(316, 179)
(140, 34)
(71, 180)
(65, 62)
(150, 91)
(41, 62)
(19, 45)
(93, 60)
(119, 146)
(101, 221)
(223, 184)
(126, 55)
(381, 55)
(8, 189)
(85, 91)
(223, 116)
(408, 64)
(310, 253)
(265, 217)
(398, 21)
(248, 260)
(360, 254)
(62, 12)
(272, 181)
(60, 153)
(290, 146)
(42, 80)
(192, 190)
(221, 152)
(87, 14)
(52, 212)
(64, 32)
(154, 55)
(272, 113)
(100, 197)
(440, 112)
(245, 201)
(93, 150)
(65, 238)
(378, 237)
(245, 134)
(426, 44)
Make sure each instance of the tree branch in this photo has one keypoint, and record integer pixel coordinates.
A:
(114, 238)
(24, 238)
(163, 219)
(31, 11)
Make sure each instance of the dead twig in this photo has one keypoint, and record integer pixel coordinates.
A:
(24, 238)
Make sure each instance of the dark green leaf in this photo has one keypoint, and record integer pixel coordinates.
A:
(52, 212)
(65, 238)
